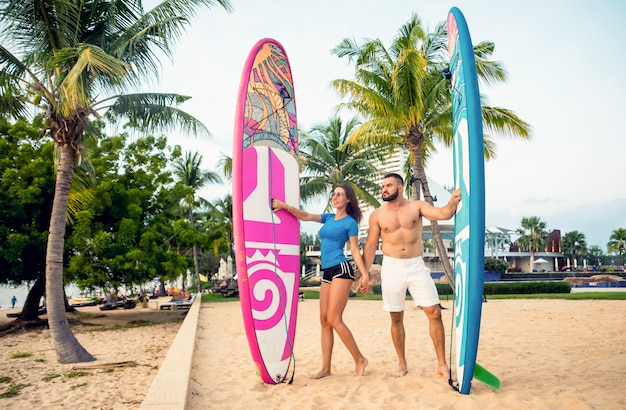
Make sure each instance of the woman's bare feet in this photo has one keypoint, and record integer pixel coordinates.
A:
(360, 367)
(443, 370)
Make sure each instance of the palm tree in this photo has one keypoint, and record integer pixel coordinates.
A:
(617, 243)
(188, 171)
(225, 166)
(406, 101)
(219, 215)
(533, 236)
(328, 160)
(76, 60)
(574, 244)
(595, 255)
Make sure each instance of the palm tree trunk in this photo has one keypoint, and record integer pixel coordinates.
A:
(30, 311)
(197, 269)
(67, 347)
(195, 253)
(420, 174)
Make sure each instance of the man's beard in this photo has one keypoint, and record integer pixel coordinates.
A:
(390, 197)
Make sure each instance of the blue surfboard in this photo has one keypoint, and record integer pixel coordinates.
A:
(469, 176)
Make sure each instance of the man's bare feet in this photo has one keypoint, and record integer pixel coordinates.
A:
(321, 374)
(360, 367)
(402, 371)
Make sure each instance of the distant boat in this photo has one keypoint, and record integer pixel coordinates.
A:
(82, 301)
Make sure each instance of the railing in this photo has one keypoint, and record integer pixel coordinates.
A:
(310, 274)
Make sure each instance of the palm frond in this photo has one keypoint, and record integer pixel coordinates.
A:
(140, 40)
(153, 111)
(505, 123)
(87, 66)
(490, 72)
(225, 166)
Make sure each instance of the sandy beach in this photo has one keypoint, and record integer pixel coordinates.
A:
(547, 353)
(106, 383)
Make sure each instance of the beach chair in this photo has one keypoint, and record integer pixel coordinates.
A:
(229, 292)
(168, 305)
(178, 304)
(186, 304)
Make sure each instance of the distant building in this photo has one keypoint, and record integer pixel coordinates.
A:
(499, 242)
(394, 163)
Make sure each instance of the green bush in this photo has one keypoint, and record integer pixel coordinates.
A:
(444, 289)
(504, 288)
(495, 265)
(525, 288)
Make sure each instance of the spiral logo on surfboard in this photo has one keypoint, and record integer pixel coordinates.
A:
(267, 282)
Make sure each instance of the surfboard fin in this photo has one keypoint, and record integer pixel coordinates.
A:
(483, 375)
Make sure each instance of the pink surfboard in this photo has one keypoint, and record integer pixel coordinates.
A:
(267, 243)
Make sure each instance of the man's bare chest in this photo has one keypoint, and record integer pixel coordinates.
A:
(395, 222)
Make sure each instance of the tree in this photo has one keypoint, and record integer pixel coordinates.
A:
(405, 100)
(61, 56)
(617, 243)
(329, 160)
(595, 255)
(132, 229)
(26, 192)
(495, 265)
(219, 216)
(575, 245)
(533, 236)
(188, 171)
(225, 166)
(307, 241)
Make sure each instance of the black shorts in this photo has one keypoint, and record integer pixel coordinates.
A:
(341, 271)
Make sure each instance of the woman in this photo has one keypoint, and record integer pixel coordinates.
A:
(338, 275)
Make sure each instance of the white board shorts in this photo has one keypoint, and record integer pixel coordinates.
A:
(398, 275)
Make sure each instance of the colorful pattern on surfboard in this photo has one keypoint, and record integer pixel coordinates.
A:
(469, 176)
(267, 244)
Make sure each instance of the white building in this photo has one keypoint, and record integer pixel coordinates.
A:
(497, 240)
(394, 163)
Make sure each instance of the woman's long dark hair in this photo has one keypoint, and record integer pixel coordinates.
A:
(353, 208)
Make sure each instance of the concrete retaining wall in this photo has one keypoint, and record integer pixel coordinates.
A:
(170, 386)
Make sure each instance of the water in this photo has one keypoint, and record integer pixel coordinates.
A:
(7, 292)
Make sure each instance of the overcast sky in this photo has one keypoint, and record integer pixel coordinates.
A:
(565, 61)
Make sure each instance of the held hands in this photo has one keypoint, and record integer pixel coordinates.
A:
(364, 283)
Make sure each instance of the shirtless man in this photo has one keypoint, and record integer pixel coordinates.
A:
(399, 223)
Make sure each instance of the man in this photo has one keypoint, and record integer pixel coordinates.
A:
(399, 223)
